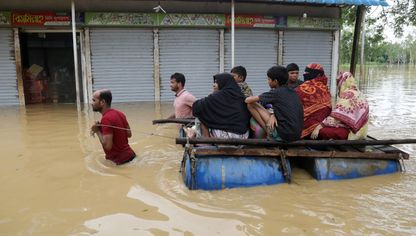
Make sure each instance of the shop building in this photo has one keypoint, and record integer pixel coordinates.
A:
(129, 48)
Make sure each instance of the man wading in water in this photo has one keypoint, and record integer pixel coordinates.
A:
(113, 130)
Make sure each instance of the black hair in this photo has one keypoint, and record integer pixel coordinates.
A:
(278, 73)
(292, 67)
(106, 96)
(179, 77)
(241, 71)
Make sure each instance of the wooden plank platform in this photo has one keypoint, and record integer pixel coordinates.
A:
(330, 152)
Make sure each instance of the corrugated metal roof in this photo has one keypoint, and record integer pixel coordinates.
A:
(338, 2)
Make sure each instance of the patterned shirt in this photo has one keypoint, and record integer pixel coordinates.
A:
(245, 89)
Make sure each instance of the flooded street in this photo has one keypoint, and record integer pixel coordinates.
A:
(55, 181)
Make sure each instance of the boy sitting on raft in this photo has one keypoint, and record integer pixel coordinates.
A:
(287, 121)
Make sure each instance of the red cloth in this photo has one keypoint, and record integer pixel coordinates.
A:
(333, 133)
(316, 101)
(316, 66)
(120, 152)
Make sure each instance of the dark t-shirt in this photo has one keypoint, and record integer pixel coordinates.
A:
(121, 152)
(296, 84)
(288, 110)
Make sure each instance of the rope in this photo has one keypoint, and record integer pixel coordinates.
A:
(402, 164)
(284, 166)
(121, 128)
(111, 126)
(159, 135)
(193, 160)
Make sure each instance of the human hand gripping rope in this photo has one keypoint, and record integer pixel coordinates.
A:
(95, 129)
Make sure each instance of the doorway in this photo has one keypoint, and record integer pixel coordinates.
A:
(48, 67)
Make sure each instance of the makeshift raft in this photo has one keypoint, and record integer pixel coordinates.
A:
(264, 162)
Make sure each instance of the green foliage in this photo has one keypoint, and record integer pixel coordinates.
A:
(404, 13)
(347, 33)
(346, 46)
(377, 49)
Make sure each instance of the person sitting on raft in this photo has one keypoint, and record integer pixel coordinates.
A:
(239, 74)
(349, 117)
(315, 97)
(257, 131)
(293, 71)
(286, 122)
(223, 114)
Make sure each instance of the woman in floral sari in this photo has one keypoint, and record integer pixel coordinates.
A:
(315, 97)
(349, 118)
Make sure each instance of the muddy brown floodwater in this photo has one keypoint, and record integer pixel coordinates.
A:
(55, 181)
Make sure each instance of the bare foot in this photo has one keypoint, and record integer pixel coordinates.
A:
(190, 132)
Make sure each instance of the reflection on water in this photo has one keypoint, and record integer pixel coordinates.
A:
(55, 181)
(184, 221)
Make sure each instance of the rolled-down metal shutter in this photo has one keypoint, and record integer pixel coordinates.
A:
(304, 47)
(256, 50)
(8, 84)
(193, 52)
(122, 61)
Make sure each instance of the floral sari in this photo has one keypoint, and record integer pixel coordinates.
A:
(351, 107)
(316, 101)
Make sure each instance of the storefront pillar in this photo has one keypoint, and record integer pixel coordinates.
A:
(74, 45)
(280, 49)
(88, 73)
(334, 68)
(222, 51)
(19, 72)
(232, 33)
(156, 66)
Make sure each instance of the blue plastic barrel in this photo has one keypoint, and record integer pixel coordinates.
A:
(219, 172)
(338, 169)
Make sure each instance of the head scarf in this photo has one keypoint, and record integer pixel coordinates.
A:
(351, 107)
(224, 109)
(316, 99)
(314, 70)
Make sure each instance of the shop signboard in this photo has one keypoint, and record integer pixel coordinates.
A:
(206, 20)
(313, 23)
(153, 19)
(43, 18)
(120, 19)
(190, 20)
(4, 18)
(255, 21)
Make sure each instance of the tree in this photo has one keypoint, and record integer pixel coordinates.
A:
(347, 33)
(404, 14)
(376, 48)
(409, 45)
(394, 53)
(374, 45)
